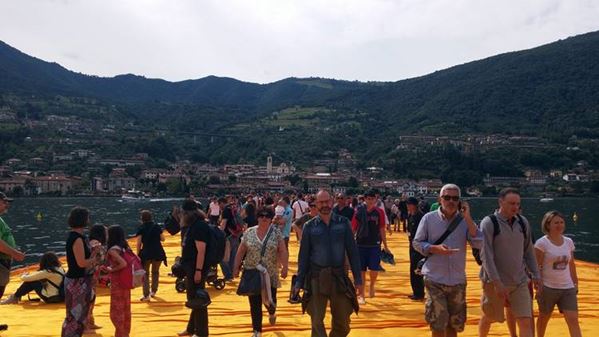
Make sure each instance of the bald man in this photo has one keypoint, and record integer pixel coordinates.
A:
(326, 239)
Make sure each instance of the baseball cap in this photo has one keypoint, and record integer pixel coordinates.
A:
(279, 210)
(5, 198)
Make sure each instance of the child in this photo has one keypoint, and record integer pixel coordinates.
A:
(120, 296)
(97, 238)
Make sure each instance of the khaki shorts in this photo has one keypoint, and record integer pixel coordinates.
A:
(519, 301)
(566, 300)
(445, 306)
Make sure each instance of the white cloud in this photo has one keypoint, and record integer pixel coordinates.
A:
(267, 40)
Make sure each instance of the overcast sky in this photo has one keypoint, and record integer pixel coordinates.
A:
(268, 40)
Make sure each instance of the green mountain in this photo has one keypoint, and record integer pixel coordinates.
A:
(550, 92)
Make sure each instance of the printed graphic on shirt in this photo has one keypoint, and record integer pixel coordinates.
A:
(561, 263)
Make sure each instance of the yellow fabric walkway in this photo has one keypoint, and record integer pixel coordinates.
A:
(390, 313)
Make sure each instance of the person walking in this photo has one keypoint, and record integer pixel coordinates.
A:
(413, 220)
(507, 253)
(150, 251)
(445, 268)
(192, 258)
(326, 241)
(263, 246)
(555, 257)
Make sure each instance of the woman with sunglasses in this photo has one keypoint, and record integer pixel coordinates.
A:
(275, 254)
(555, 257)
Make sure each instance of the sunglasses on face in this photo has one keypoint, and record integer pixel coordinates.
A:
(450, 197)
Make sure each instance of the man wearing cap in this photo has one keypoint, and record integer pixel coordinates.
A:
(342, 208)
(416, 281)
(369, 227)
(8, 246)
(326, 241)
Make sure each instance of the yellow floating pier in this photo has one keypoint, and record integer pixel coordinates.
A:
(390, 313)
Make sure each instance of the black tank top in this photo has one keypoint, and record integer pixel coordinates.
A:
(74, 270)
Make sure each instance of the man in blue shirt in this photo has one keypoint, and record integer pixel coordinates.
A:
(445, 270)
(326, 240)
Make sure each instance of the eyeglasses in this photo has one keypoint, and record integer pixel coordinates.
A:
(450, 197)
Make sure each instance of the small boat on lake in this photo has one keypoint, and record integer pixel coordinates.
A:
(133, 195)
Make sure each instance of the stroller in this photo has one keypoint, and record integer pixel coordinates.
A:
(212, 278)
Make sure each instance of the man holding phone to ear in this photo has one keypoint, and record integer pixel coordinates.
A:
(445, 268)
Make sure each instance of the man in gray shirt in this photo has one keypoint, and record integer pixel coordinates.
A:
(506, 254)
(445, 270)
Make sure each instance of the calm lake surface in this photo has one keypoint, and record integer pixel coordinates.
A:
(49, 233)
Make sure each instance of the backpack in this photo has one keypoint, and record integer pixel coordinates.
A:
(215, 247)
(133, 275)
(60, 297)
(496, 231)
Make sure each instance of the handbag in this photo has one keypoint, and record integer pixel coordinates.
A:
(251, 283)
(452, 226)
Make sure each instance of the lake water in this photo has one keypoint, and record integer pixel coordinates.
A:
(49, 233)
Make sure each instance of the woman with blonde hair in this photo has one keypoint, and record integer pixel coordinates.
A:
(555, 257)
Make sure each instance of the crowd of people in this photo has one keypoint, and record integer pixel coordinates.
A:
(336, 234)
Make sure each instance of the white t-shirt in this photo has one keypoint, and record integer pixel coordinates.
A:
(300, 208)
(556, 263)
(214, 209)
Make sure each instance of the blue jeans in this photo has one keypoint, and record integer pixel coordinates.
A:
(227, 267)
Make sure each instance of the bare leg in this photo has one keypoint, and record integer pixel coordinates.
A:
(572, 321)
(484, 325)
(542, 323)
(524, 326)
(511, 322)
(373, 275)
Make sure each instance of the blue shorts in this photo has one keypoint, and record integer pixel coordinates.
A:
(370, 258)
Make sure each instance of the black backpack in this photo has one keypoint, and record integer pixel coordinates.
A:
(496, 231)
(60, 297)
(215, 248)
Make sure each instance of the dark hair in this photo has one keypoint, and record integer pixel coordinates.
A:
(286, 200)
(269, 201)
(116, 237)
(222, 200)
(98, 232)
(145, 215)
(508, 190)
(79, 217)
(266, 210)
(189, 217)
(49, 261)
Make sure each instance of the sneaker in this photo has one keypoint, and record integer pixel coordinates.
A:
(152, 294)
(361, 300)
(272, 319)
(3, 327)
(145, 299)
(184, 333)
(12, 299)
(257, 334)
